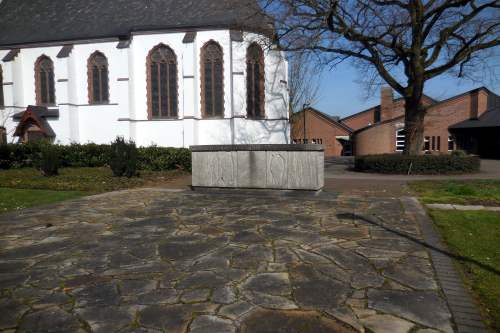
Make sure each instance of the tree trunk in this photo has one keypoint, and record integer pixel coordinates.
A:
(414, 125)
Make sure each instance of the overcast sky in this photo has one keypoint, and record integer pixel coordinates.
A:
(341, 95)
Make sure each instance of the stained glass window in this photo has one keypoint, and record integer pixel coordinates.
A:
(45, 88)
(255, 81)
(212, 80)
(163, 82)
(98, 79)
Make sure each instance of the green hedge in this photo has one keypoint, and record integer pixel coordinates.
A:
(93, 155)
(420, 165)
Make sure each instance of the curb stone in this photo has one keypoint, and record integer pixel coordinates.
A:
(466, 315)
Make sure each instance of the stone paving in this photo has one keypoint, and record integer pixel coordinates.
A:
(160, 261)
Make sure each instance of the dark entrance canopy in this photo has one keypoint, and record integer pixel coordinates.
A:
(479, 136)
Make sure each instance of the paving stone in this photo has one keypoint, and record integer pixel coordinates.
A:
(320, 294)
(348, 232)
(236, 310)
(203, 279)
(224, 295)
(195, 295)
(277, 284)
(135, 256)
(347, 316)
(134, 287)
(171, 318)
(211, 324)
(367, 279)
(50, 320)
(252, 257)
(158, 296)
(271, 321)
(413, 273)
(189, 248)
(271, 301)
(426, 308)
(387, 323)
(102, 294)
(106, 319)
(11, 312)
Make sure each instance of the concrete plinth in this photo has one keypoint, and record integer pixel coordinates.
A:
(287, 167)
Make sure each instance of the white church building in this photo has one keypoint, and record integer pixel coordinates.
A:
(166, 72)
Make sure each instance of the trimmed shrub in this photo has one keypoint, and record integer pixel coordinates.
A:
(420, 165)
(152, 158)
(49, 160)
(157, 158)
(123, 159)
(5, 158)
(87, 155)
(458, 153)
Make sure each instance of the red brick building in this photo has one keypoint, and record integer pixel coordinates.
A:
(479, 107)
(469, 121)
(322, 129)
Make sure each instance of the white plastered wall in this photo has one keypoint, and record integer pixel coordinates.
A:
(126, 114)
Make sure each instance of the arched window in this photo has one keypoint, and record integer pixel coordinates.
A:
(162, 83)
(44, 81)
(212, 76)
(2, 103)
(97, 72)
(255, 81)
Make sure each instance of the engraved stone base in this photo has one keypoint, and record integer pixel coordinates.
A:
(288, 167)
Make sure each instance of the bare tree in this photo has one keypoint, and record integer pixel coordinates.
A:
(303, 81)
(404, 43)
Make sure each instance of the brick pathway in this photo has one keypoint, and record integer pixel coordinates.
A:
(164, 261)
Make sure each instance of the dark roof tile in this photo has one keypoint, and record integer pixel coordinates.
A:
(189, 37)
(38, 21)
(11, 55)
(65, 51)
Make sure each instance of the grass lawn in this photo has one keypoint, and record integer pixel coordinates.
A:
(466, 192)
(476, 235)
(21, 188)
(15, 199)
(91, 180)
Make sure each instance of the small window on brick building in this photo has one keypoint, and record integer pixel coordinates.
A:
(433, 143)
(212, 80)
(427, 145)
(44, 82)
(97, 73)
(438, 143)
(305, 141)
(451, 143)
(400, 139)
(162, 83)
(376, 116)
(2, 103)
(255, 81)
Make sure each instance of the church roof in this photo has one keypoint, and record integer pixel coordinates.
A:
(40, 21)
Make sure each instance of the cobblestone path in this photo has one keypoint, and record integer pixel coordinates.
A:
(160, 261)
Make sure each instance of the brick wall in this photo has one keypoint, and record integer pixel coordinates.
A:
(360, 120)
(318, 128)
(380, 139)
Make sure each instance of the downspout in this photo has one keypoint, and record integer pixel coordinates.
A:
(231, 121)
